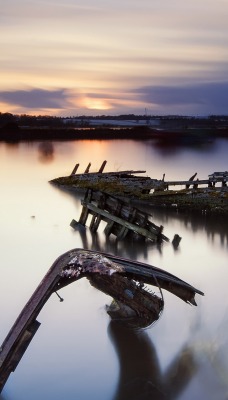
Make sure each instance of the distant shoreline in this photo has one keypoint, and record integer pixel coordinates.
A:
(169, 136)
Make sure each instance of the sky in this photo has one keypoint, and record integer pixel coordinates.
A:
(111, 57)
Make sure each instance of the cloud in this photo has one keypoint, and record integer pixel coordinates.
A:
(212, 96)
(36, 98)
(195, 98)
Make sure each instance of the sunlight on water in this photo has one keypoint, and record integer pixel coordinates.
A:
(77, 352)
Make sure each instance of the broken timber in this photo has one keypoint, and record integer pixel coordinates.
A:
(100, 269)
(121, 218)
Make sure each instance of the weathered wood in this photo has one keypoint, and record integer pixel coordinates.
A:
(193, 176)
(176, 240)
(74, 224)
(83, 216)
(85, 212)
(18, 351)
(102, 167)
(95, 222)
(191, 179)
(123, 174)
(108, 228)
(14, 345)
(118, 208)
(120, 221)
(87, 168)
(75, 169)
(122, 209)
(127, 183)
(200, 182)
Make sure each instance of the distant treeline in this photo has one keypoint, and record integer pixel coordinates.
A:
(52, 121)
(14, 133)
(169, 128)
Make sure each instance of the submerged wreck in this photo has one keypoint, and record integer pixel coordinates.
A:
(209, 194)
(122, 279)
(122, 219)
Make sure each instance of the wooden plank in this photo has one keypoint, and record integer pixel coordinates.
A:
(184, 183)
(116, 173)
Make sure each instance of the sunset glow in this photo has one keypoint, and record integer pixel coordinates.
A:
(95, 104)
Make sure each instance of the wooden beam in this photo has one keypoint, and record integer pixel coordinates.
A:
(16, 353)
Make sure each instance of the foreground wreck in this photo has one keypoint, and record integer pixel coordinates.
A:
(122, 279)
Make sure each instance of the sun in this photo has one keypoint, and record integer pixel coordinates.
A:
(96, 104)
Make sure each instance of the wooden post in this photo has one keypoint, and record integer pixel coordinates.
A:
(102, 167)
(122, 233)
(95, 222)
(87, 168)
(75, 169)
(109, 228)
(195, 186)
(176, 241)
(85, 211)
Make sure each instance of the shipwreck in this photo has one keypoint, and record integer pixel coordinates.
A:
(122, 219)
(209, 194)
(122, 279)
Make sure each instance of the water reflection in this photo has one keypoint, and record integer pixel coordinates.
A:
(46, 152)
(140, 376)
(201, 260)
(11, 145)
(172, 149)
(129, 247)
(210, 224)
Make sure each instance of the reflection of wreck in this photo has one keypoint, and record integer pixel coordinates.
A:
(121, 218)
(120, 278)
(141, 375)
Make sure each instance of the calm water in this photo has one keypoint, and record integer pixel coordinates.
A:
(78, 353)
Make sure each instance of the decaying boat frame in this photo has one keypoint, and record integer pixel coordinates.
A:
(120, 278)
(121, 218)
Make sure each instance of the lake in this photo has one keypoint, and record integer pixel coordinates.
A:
(78, 352)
